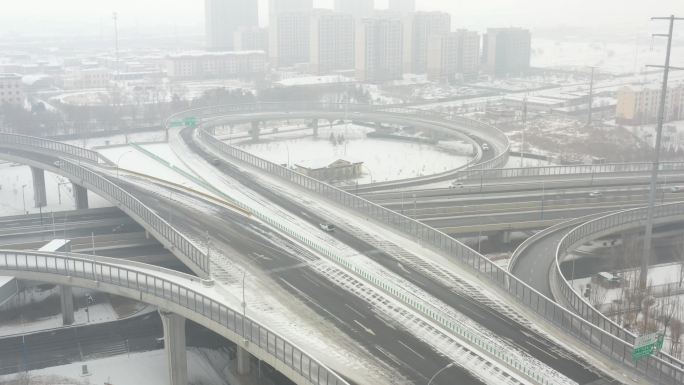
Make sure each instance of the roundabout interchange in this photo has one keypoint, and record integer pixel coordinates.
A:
(391, 281)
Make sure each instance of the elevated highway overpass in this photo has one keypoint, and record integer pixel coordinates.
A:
(485, 268)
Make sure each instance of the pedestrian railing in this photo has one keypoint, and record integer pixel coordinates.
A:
(669, 372)
(173, 295)
(588, 170)
(179, 244)
(59, 149)
(499, 139)
(596, 228)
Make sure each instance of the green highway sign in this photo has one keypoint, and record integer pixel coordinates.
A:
(646, 345)
(187, 122)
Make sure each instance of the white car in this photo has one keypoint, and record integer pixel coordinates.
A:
(595, 194)
(327, 227)
(676, 189)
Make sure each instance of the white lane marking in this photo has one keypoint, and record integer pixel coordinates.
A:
(409, 348)
(369, 331)
(355, 311)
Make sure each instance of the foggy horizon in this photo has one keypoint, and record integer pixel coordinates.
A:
(610, 18)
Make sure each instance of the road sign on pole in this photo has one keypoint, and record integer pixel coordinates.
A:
(187, 122)
(646, 345)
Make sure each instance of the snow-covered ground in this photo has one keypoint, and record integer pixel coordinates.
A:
(384, 304)
(100, 311)
(148, 368)
(383, 159)
(617, 58)
(120, 139)
(16, 188)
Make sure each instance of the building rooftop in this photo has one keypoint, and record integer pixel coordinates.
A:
(10, 76)
(189, 54)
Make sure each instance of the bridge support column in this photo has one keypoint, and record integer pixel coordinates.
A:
(314, 125)
(254, 132)
(174, 344)
(39, 194)
(502, 237)
(243, 361)
(80, 196)
(66, 299)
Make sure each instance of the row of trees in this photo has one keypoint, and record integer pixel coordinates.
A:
(112, 114)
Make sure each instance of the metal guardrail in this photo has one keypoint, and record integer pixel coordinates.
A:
(116, 194)
(500, 139)
(59, 148)
(179, 295)
(596, 228)
(602, 341)
(512, 263)
(582, 169)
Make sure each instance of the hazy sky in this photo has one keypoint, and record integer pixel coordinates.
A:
(93, 17)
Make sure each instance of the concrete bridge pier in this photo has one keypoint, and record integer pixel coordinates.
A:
(66, 299)
(254, 131)
(314, 125)
(502, 237)
(39, 194)
(174, 344)
(243, 361)
(80, 196)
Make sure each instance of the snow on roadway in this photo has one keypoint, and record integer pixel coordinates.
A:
(258, 203)
(275, 308)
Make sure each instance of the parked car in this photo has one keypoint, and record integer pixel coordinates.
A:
(328, 227)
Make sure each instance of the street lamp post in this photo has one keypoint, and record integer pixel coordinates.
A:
(440, 371)
(542, 200)
(119, 160)
(59, 191)
(23, 197)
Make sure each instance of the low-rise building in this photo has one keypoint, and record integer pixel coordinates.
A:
(80, 78)
(328, 169)
(11, 89)
(202, 64)
(640, 104)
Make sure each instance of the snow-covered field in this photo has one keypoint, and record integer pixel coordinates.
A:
(148, 368)
(13, 194)
(618, 58)
(383, 159)
(98, 312)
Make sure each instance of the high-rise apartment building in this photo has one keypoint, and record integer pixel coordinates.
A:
(506, 51)
(224, 17)
(453, 56)
(331, 43)
(11, 89)
(288, 31)
(250, 39)
(639, 105)
(402, 6)
(468, 53)
(379, 47)
(357, 8)
(418, 28)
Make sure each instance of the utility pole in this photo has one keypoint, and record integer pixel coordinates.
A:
(115, 16)
(591, 97)
(522, 131)
(643, 277)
